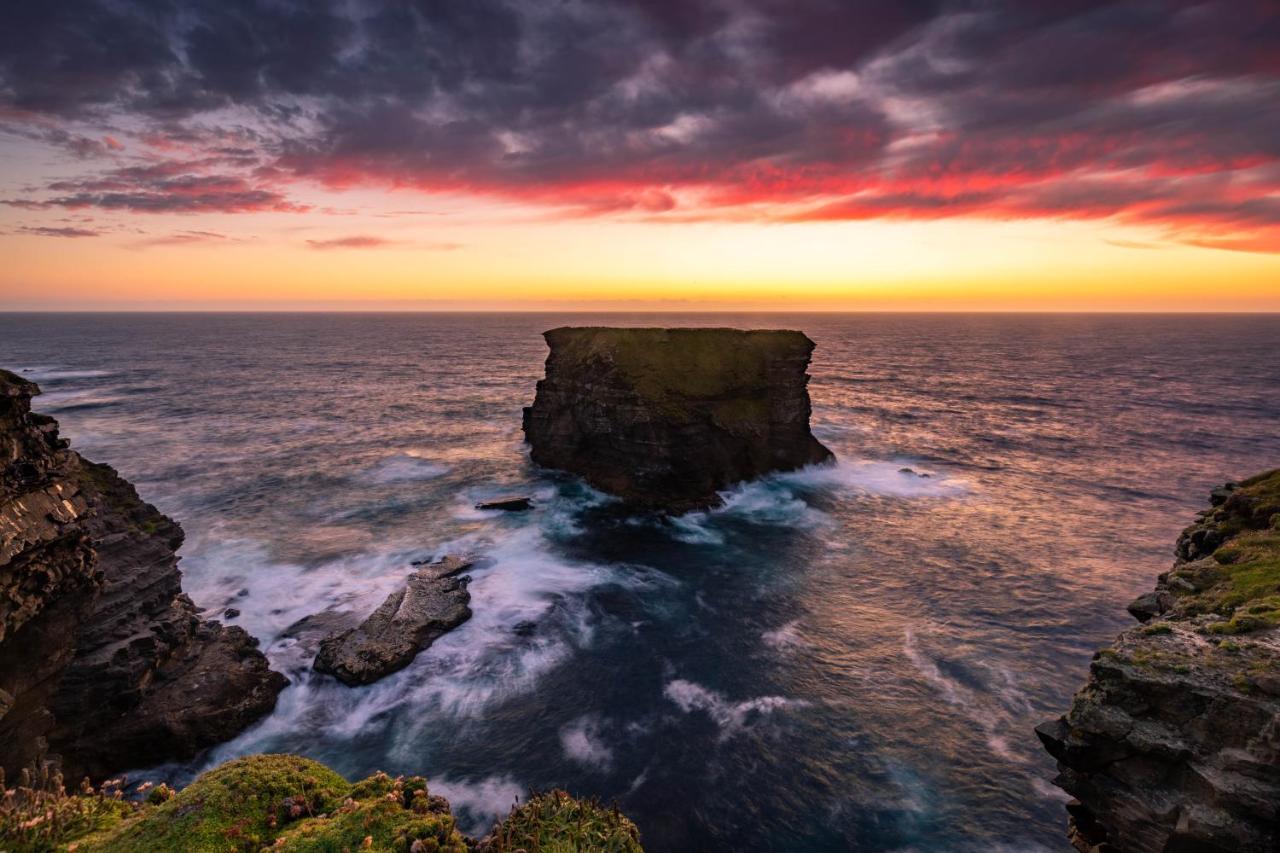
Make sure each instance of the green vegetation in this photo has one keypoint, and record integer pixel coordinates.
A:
(1157, 628)
(1242, 582)
(284, 802)
(668, 367)
(241, 805)
(555, 822)
(38, 814)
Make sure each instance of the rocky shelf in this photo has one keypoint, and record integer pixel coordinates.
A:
(668, 418)
(432, 602)
(1174, 742)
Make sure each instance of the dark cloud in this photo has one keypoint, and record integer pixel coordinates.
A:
(168, 186)
(1158, 111)
(44, 231)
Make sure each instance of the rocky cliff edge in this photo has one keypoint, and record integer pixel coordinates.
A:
(1174, 742)
(104, 663)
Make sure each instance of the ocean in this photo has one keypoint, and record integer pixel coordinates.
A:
(850, 657)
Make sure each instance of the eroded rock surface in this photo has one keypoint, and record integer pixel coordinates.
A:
(104, 662)
(432, 602)
(1174, 742)
(667, 418)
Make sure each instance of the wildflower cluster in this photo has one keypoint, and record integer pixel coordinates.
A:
(39, 814)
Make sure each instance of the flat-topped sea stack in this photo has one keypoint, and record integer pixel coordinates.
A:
(105, 663)
(668, 418)
(1174, 742)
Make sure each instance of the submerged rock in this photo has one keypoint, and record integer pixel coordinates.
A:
(511, 504)
(667, 418)
(1174, 742)
(106, 662)
(432, 602)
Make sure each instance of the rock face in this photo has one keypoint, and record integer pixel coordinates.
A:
(666, 418)
(104, 662)
(432, 603)
(1174, 742)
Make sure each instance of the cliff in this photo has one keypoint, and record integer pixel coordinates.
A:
(666, 418)
(284, 802)
(1174, 742)
(103, 660)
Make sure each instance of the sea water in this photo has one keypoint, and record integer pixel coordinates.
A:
(850, 657)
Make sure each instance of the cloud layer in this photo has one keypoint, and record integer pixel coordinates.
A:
(1164, 114)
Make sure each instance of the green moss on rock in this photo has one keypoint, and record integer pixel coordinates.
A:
(1242, 580)
(555, 822)
(381, 813)
(288, 803)
(241, 805)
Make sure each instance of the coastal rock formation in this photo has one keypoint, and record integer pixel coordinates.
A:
(104, 661)
(1174, 742)
(667, 418)
(432, 603)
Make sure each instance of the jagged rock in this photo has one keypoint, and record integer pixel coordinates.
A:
(667, 418)
(432, 603)
(511, 504)
(106, 662)
(1174, 742)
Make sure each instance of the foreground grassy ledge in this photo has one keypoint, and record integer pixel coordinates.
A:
(284, 802)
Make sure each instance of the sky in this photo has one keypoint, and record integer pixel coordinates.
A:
(644, 154)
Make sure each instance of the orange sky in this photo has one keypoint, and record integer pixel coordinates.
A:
(471, 255)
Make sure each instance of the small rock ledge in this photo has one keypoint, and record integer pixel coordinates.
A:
(432, 602)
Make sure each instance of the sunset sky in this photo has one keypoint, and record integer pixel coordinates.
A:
(666, 154)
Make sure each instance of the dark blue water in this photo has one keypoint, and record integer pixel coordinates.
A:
(842, 658)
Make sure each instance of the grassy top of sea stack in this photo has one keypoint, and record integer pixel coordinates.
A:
(692, 363)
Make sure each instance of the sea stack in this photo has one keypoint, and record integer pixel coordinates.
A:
(668, 418)
(104, 663)
(1174, 742)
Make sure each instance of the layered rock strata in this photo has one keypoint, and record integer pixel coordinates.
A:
(432, 602)
(1174, 742)
(668, 418)
(104, 663)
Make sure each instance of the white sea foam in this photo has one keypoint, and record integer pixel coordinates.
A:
(779, 499)
(993, 719)
(891, 478)
(403, 467)
(784, 637)
(517, 579)
(731, 717)
(477, 804)
(584, 742)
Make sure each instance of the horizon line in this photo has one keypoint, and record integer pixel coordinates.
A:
(647, 310)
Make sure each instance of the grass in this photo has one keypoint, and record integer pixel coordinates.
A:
(240, 805)
(284, 802)
(37, 814)
(1242, 582)
(555, 822)
(668, 367)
